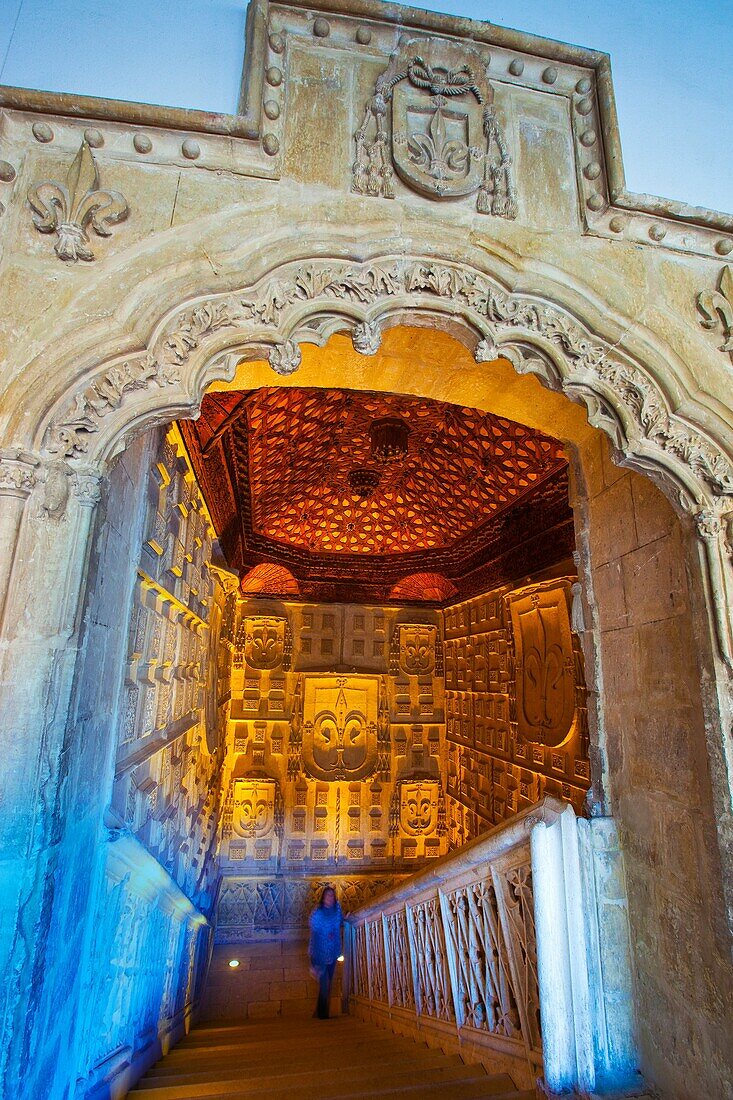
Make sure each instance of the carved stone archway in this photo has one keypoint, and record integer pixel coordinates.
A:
(61, 439)
(307, 300)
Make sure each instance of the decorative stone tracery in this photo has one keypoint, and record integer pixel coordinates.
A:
(310, 300)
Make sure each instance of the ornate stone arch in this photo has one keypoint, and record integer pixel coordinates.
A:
(307, 300)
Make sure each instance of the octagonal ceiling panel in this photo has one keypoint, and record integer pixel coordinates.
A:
(291, 477)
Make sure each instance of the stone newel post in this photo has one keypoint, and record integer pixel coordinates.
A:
(584, 957)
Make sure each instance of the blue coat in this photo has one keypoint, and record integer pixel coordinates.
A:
(325, 941)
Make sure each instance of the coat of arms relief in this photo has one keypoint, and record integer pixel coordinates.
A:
(340, 732)
(432, 120)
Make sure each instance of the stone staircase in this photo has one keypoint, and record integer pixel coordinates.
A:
(288, 1057)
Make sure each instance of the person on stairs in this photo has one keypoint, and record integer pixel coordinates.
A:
(324, 949)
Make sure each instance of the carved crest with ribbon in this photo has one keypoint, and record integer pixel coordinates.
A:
(432, 119)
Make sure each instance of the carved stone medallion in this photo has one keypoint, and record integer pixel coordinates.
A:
(253, 812)
(264, 644)
(417, 649)
(340, 729)
(545, 684)
(446, 141)
(419, 806)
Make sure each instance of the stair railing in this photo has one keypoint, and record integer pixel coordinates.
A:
(514, 948)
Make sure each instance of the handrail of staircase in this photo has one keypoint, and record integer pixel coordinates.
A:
(514, 949)
(473, 856)
(453, 947)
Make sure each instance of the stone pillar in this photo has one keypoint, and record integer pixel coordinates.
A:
(584, 957)
(17, 480)
(44, 536)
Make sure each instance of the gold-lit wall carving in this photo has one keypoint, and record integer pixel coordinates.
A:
(367, 740)
(335, 746)
(516, 710)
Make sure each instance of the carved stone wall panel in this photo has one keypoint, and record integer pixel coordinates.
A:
(262, 907)
(544, 667)
(176, 692)
(340, 728)
(253, 813)
(333, 750)
(493, 768)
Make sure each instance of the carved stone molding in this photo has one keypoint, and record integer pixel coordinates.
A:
(285, 358)
(622, 397)
(367, 338)
(18, 472)
(716, 309)
(66, 209)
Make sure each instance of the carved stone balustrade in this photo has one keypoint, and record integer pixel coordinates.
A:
(502, 950)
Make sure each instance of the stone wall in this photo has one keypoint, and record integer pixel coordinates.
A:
(169, 753)
(136, 828)
(212, 271)
(645, 656)
(517, 723)
(335, 757)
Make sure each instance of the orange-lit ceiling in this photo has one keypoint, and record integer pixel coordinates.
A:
(291, 477)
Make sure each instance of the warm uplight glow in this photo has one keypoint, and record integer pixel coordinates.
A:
(340, 958)
(234, 963)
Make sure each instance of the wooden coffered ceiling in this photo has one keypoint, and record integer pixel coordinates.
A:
(291, 479)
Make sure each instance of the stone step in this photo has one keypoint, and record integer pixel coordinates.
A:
(251, 1053)
(339, 1059)
(335, 1083)
(308, 1061)
(280, 1077)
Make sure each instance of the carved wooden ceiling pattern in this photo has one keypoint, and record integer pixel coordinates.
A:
(291, 479)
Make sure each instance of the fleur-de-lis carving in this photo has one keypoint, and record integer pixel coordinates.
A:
(68, 208)
(716, 308)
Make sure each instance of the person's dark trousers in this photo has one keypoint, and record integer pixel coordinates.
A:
(324, 991)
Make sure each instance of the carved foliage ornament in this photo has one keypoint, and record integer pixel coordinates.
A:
(67, 209)
(444, 139)
(716, 308)
(457, 287)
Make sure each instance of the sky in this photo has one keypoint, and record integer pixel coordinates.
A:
(671, 64)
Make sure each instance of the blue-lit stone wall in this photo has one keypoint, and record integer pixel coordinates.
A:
(120, 936)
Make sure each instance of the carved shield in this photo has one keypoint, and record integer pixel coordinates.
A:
(253, 813)
(544, 665)
(340, 727)
(438, 143)
(419, 806)
(264, 643)
(417, 649)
